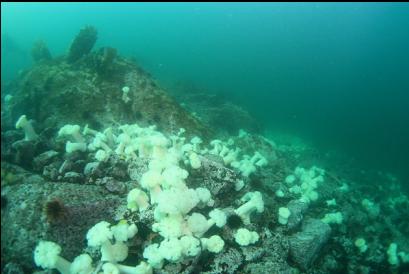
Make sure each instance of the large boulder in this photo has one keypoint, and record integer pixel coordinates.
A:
(35, 209)
(305, 246)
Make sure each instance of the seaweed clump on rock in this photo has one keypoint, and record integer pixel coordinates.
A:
(82, 44)
(40, 52)
(104, 61)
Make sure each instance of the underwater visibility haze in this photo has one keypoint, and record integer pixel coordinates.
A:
(205, 137)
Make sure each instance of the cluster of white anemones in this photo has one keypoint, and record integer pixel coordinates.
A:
(162, 187)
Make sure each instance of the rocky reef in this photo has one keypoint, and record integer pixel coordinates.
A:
(103, 172)
(212, 110)
(99, 88)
